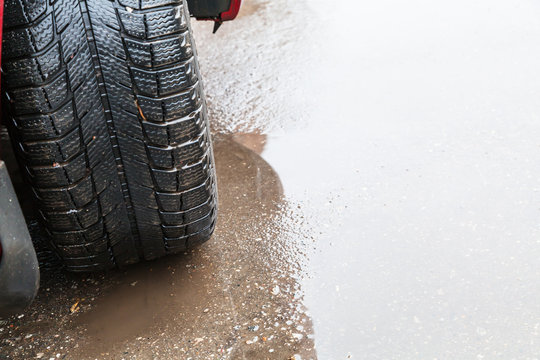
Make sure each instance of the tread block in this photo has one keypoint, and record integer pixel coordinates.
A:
(73, 219)
(146, 81)
(174, 132)
(166, 180)
(140, 53)
(82, 193)
(199, 211)
(144, 197)
(15, 14)
(96, 231)
(195, 197)
(146, 4)
(109, 198)
(171, 107)
(86, 263)
(200, 237)
(43, 99)
(72, 38)
(66, 12)
(46, 127)
(161, 157)
(90, 132)
(118, 228)
(104, 17)
(168, 51)
(129, 124)
(170, 81)
(191, 152)
(134, 147)
(179, 180)
(80, 67)
(58, 174)
(169, 202)
(67, 198)
(193, 175)
(149, 225)
(200, 224)
(153, 24)
(166, 22)
(180, 155)
(85, 249)
(101, 171)
(173, 231)
(138, 173)
(172, 218)
(176, 49)
(177, 79)
(134, 4)
(176, 245)
(43, 152)
(133, 24)
(32, 71)
(21, 42)
(84, 95)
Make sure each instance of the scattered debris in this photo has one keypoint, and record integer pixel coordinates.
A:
(140, 113)
(252, 341)
(75, 307)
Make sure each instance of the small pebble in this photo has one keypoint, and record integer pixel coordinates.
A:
(254, 340)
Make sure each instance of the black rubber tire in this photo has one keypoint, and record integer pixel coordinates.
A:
(107, 116)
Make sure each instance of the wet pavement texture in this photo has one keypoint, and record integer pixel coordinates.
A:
(378, 191)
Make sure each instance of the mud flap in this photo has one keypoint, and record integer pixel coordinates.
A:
(19, 269)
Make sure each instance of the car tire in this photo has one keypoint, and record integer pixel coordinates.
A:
(106, 112)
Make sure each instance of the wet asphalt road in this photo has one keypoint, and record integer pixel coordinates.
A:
(378, 189)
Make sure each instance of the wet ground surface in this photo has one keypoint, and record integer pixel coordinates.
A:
(378, 190)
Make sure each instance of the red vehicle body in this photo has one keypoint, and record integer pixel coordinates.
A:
(19, 269)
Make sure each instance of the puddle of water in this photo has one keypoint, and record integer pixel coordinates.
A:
(237, 296)
(408, 133)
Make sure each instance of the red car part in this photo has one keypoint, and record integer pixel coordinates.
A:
(232, 12)
(215, 10)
